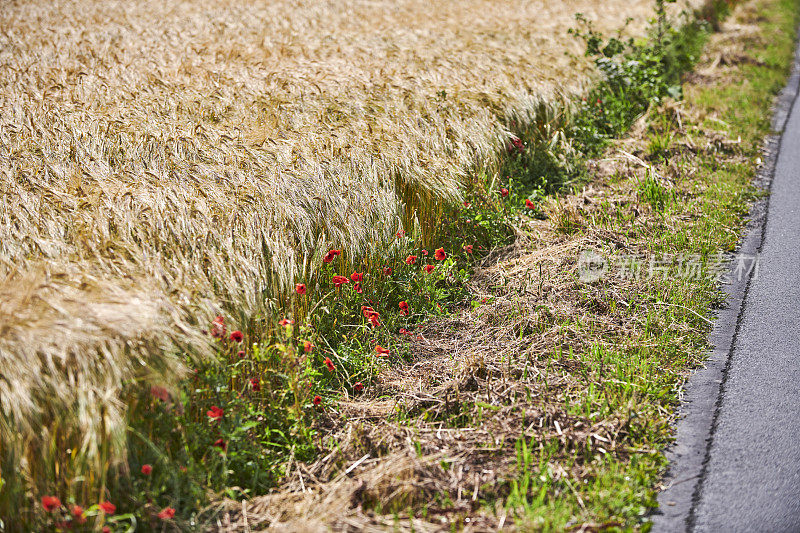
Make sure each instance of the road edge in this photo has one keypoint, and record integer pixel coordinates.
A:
(700, 397)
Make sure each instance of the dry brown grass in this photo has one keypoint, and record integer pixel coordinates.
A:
(164, 161)
(383, 471)
(389, 472)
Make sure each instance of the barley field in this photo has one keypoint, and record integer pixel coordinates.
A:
(161, 162)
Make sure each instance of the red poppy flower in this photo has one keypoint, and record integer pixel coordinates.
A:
(167, 513)
(240, 354)
(215, 413)
(468, 248)
(411, 259)
(50, 503)
(77, 514)
(357, 276)
(358, 386)
(424, 253)
(504, 192)
(107, 507)
(255, 384)
(221, 444)
(237, 336)
(404, 308)
(338, 281)
(106, 529)
(529, 204)
(387, 271)
(286, 322)
(147, 470)
(429, 268)
(440, 254)
(327, 362)
(381, 350)
(400, 234)
(358, 289)
(317, 400)
(218, 327)
(307, 346)
(159, 392)
(331, 255)
(371, 315)
(300, 288)
(466, 203)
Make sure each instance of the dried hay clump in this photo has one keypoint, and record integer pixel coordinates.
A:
(434, 440)
(161, 162)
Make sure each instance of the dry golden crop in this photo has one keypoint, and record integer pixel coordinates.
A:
(163, 161)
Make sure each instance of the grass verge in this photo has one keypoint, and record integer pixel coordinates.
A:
(663, 215)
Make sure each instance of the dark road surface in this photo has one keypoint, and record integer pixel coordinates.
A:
(752, 479)
(736, 463)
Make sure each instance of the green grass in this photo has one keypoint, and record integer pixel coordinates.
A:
(638, 374)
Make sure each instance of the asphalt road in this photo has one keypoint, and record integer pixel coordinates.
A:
(752, 477)
(736, 463)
